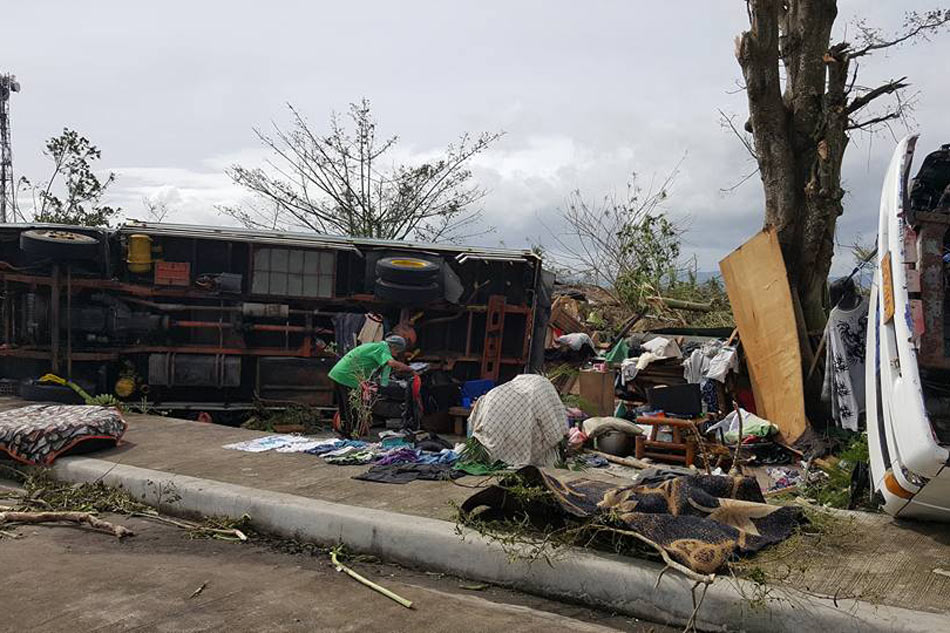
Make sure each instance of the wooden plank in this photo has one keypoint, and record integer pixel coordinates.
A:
(762, 305)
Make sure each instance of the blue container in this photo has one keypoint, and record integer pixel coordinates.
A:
(473, 389)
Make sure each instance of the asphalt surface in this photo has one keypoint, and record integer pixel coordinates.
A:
(60, 578)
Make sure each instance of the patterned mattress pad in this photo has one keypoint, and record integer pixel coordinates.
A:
(37, 434)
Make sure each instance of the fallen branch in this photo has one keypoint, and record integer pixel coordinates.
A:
(623, 461)
(680, 304)
(683, 569)
(70, 517)
(228, 534)
(691, 623)
(369, 583)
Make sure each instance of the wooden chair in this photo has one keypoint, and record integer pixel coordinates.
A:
(681, 450)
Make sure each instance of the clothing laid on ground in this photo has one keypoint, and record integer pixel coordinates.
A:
(352, 457)
(845, 340)
(331, 446)
(404, 473)
(262, 444)
(402, 455)
(360, 362)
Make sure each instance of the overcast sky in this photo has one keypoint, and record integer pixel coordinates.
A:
(586, 91)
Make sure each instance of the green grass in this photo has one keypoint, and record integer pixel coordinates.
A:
(835, 491)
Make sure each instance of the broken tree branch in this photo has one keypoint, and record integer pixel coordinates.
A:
(691, 623)
(890, 116)
(623, 461)
(679, 304)
(228, 534)
(369, 583)
(69, 517)
(683, 569)
(884, 89)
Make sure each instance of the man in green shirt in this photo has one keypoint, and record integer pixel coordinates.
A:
(359, 364)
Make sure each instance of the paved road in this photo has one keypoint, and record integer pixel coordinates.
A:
(75, 580)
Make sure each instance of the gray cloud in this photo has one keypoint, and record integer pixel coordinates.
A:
(587, 93)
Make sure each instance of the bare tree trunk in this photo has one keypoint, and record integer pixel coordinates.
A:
(799, 136)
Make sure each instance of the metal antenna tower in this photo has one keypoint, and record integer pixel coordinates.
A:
(8, 84)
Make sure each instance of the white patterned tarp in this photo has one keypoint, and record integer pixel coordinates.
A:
(38, 433)
(521, 422)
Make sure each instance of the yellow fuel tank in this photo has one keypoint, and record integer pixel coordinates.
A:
(140, 253)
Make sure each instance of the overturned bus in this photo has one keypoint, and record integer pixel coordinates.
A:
(907, 384)
(210, 318)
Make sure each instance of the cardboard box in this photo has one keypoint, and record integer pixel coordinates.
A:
(597, 388)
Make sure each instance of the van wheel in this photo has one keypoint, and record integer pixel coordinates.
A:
(403, 294)
(58, 244)
(410, 271)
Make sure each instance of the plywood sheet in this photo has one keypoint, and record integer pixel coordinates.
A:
(761, 300)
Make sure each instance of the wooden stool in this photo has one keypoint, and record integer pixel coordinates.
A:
(459, 417)
(681, 449)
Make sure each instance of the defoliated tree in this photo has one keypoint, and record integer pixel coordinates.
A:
(346, 182)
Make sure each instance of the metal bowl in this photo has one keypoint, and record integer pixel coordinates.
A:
(615, 443)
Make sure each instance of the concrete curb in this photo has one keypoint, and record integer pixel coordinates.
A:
(613, 583)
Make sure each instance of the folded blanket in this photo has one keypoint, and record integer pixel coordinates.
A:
(39, 433)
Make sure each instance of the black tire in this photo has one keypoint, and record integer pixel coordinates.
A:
(409, 271)
(48, 392)
(407, 295)
(59, 244)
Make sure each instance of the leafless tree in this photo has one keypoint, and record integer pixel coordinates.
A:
(344, 183)
(804, 104)
(156, 209)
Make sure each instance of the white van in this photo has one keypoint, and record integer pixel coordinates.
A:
(908, 346)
